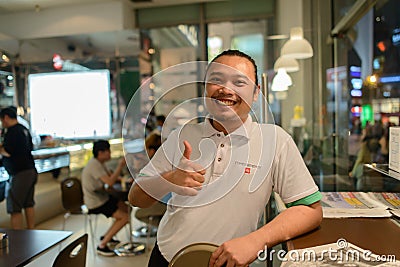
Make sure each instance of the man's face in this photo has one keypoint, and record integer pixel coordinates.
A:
(104, 155)
(4, 121)
(230, 88)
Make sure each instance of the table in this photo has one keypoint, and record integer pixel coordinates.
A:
(130, 248)
(379, 235)
(25, 245)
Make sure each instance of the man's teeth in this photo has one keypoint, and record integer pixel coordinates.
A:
(226, 102)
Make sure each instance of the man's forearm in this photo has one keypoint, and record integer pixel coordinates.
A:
(139, 198)
(116, 174)
(146, 190)
(4, 152)
(290, 223)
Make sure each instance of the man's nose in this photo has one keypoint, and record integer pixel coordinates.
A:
(226, 88)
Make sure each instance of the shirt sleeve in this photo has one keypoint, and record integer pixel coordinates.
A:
(291, 178)
(11, 140)
(308, 200)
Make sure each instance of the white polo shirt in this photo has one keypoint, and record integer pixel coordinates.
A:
(242, 169)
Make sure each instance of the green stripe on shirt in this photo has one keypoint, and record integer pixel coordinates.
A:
(308, 200)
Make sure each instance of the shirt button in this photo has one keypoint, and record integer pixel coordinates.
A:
(219, 159)
(222, 145)
(219, 135)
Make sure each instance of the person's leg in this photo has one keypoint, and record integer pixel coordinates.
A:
(30, 217)
(21, 196)
(30, 201)
(121, 218)
(14, 207)
(16, 220)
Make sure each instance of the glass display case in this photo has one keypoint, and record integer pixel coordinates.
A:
(7, 89)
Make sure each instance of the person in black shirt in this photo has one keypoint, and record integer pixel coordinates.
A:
(18, 161)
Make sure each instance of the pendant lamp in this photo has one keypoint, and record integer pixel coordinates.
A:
(281, 81)
(297, 47)
(290, 64)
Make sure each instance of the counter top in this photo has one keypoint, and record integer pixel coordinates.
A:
(384, 169)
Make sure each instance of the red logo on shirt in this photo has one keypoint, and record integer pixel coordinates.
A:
(247, 170)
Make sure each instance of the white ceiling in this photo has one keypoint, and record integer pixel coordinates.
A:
(7, 6)
(97, 42)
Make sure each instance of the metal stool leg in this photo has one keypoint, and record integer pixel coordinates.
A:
(92, 233)
(130, 248)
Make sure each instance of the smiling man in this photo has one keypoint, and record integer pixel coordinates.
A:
(221, 173)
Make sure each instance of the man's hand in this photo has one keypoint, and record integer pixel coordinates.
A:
(3, 151)
(122, 162)
(236, 252)
(188, 174)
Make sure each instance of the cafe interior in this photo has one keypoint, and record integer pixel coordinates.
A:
(79, 71)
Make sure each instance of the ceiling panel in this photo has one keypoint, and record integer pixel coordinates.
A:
(99, 44)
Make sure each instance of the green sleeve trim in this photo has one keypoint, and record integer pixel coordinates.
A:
(308, 200)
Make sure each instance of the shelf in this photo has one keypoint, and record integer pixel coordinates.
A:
(384, 169)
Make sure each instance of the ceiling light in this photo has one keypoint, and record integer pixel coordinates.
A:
(297, 46)
(288, 63)
(281, 81)
(4, 57)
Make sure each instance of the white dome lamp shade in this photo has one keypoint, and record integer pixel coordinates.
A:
(288, 63)
(281, 81)
(297, 47)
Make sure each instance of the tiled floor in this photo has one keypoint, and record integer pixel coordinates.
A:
(76, 225)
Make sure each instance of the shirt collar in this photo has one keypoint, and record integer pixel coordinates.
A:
(243, 130)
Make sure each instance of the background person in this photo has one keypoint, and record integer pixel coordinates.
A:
(368, 151)
(94, 176)
(160, 120)
(18, 161)
(230, 220)
(157, 210)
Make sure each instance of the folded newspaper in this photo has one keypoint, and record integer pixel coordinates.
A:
(340, 253)
(359, 204)
(355, 204)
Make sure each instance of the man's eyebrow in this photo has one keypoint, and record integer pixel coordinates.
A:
(215, 73)
(235, 75)
(241, 76)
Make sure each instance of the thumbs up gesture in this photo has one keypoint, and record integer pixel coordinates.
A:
(188, 174)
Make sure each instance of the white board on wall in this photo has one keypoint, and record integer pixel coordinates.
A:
(70, 105)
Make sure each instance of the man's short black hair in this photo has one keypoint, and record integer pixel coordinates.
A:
(160, 118)
(153, 141)
(100, 145)
(9, 111)
(238, 53)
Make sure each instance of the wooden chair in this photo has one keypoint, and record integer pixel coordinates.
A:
(72, 200)
(194, 255)
(74, 254)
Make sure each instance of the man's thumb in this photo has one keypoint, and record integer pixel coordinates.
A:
(188, 149)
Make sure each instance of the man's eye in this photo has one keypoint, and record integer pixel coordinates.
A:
(240, 83)
(215, 80)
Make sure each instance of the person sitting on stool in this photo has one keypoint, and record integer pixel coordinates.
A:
(95, 176)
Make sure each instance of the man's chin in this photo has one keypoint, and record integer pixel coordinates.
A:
(225, 116)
